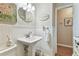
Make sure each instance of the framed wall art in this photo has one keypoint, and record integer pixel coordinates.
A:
(8, 13)
(68, 21)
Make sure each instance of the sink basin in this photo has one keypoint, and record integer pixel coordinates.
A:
(29, 40)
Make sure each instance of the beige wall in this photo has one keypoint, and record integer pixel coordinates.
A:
(64, 32)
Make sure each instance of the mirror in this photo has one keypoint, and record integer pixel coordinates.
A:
(29, 17)
(25, 14)
(21, 13)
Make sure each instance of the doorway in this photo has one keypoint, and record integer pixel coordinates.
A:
(64, 30)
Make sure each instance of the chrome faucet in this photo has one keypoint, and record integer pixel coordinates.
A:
(28, 35)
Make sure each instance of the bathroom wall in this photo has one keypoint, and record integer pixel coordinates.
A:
(43, 9)
(76, 19)
(22, 27)
(4, 31)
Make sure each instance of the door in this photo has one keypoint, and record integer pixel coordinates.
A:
(64, 26)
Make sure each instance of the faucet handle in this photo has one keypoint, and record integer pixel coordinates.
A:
(30, 32)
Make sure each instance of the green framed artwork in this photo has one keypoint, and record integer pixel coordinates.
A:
(8, 13)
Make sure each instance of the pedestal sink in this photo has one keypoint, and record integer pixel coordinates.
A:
(30, 41)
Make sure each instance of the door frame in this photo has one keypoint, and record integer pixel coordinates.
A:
(56, 9)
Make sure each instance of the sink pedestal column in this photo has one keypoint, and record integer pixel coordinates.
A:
(30, 50)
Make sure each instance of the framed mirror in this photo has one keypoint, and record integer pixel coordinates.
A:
(22, 13)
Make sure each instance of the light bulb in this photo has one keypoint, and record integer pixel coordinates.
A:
(33, 8)
(24, 7)
(28, 10)
(29, 6)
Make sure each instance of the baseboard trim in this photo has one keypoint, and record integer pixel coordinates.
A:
(64, 45)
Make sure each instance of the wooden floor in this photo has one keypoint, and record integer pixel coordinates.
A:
(64, 51)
